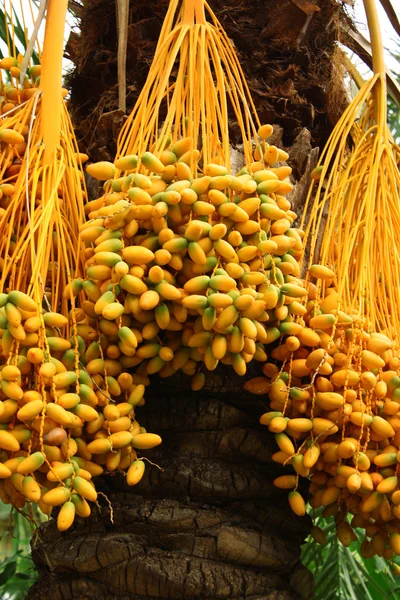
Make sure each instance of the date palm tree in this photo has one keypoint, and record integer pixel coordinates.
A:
(206, 521)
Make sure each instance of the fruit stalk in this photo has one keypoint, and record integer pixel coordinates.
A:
(51, 77)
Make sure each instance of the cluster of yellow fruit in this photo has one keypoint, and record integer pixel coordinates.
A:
(13, 94)
(61, 424)
(14, 129)
(182, 271)
(334, 391)
(187, 269)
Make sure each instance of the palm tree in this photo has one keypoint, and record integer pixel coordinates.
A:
(206, 521)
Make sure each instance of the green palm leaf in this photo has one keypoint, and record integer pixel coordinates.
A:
(17, 572)
(393, 108)
(342, 574)
(19, 35)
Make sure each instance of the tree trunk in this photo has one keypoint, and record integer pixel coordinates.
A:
(286, 48)
(208, 523)
(205, 523)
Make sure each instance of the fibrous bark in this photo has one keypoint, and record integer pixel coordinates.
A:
(286, 48)
(207, 525)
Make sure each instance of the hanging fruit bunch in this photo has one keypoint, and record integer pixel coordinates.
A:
(17, 102)
(188, 263)
(183, 257)
(334, 384)
(54, 416)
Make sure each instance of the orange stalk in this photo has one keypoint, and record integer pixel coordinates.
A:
(51, 77)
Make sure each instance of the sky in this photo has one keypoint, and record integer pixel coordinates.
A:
(388, 33)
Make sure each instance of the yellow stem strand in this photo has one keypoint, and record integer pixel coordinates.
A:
(51, 77)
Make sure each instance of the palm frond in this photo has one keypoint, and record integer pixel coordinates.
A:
(393, 108)
(356, 42)
(391, 14)
(341, 573)
(17, 572)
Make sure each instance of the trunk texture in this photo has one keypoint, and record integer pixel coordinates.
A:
(206, 523)
(286, 48)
